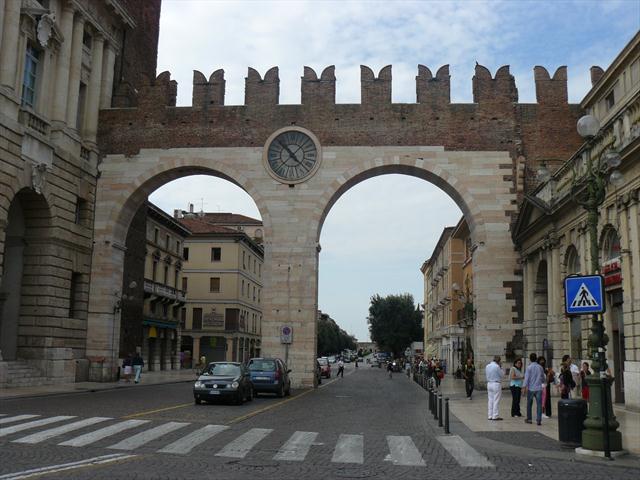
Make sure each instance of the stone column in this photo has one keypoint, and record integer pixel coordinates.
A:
(106, 89)
(93, 92)
(9, 45)
(59, 113)
(75, 67)
(634, 237)
(3, 4)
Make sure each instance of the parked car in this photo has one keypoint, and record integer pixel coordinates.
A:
(223, 380)
(325, 367)
(269, 375)
(332, 359)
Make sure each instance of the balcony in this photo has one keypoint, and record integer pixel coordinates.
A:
(152, 288)
(33, 122)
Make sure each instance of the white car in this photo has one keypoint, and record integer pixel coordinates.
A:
(332, 359)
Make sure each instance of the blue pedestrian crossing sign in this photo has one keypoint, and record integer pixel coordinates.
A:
(584, 294)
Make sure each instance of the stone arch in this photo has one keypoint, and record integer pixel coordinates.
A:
(125, 183)
(26, 296)
(485, 203)
(572, 261)
(609, 243)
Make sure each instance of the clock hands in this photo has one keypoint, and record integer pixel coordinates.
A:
(291, 154)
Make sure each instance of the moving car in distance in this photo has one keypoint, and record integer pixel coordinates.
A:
(325, 367)
(223, 381)
(269, 375)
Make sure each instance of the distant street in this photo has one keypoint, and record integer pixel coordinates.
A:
(364, 425)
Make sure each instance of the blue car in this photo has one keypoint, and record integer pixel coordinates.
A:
(269, 375)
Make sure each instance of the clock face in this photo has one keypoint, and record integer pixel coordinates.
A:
(292, 155)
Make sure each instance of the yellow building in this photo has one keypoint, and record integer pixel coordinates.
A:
(448, 297)
(223, 274)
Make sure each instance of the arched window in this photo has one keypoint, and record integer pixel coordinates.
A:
(572, 260)
(610, 244)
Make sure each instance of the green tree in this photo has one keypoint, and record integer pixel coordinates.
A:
(331, 338)
(394, 322)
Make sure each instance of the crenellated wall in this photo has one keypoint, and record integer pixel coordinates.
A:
(542, 131)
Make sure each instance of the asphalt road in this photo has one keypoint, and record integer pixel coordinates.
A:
(364, 425)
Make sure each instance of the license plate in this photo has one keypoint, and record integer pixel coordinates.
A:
(214, 392)
(262, 378)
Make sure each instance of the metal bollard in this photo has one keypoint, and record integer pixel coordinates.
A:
(435, 405)
(446, 415)
(440, 410)
(430, 400)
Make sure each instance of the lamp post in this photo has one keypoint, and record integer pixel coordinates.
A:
(589, 191)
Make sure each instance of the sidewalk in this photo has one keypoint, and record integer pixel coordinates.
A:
(148, 378)
(473, 413)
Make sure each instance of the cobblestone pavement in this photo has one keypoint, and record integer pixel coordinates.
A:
(362, 426)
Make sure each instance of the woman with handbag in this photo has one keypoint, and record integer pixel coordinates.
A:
(515, 385)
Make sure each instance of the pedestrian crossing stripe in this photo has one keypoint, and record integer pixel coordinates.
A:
(349, 448)
(584, 298)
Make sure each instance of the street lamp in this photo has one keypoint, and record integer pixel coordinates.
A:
(589, 191)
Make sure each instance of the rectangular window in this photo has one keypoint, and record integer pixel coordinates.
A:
(183, 318)
(168, 242)
(610, 100)
(154, 271)
(243, 260)
(175, 279)
(254, 294)
(184, 284)
(216, 254)
(165, 310)
(74, 290)
(78, 213)
(178, 247)
(166, 274)
(185, 253)
(197, 319)
(260, 270)
(82, 100)
(30, 80)
(156, 232)
(214, 284)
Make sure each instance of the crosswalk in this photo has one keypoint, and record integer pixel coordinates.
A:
(349, 448)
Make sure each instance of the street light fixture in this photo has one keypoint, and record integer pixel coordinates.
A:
(589, 191)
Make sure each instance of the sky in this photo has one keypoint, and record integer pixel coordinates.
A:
(375, 243)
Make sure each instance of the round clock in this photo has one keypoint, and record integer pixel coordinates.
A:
(292, 155)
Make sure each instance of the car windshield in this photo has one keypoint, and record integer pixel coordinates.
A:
(323, 361)
(226, 369)
(262, 366)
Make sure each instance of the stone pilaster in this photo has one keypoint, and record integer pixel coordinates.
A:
(9, 45)
(93, 91)
(59, 108)
(75, 66)
(108, 63)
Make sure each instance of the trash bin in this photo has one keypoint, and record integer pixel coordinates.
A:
(571, 416)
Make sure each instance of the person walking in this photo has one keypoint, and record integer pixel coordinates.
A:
(127, 368)
(515, 385)
(438, 373)
(340, 369)
(566, 378)
(550, 378)
(469, 373)
(407, 368)
(390, 368)
(494, 375)
(533, 383)
(584, 373)
(138, 363)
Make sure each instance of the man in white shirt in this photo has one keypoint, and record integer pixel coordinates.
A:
(494, 374)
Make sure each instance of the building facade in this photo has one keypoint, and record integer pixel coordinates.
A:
(552, 235)
(153, 296)
(223, 272)
(57, 69)
(448, 301)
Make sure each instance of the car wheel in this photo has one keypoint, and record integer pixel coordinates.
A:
(281, 391)
(197, 401)
(288, 391)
